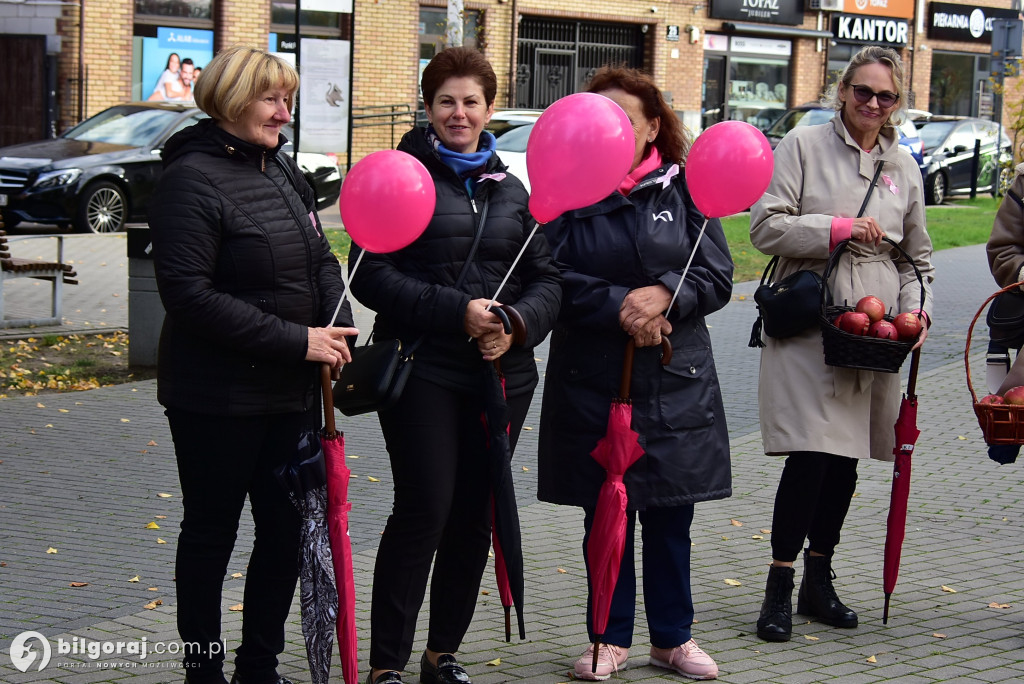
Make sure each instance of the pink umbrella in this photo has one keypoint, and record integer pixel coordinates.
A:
(616, 451)
(338, 508)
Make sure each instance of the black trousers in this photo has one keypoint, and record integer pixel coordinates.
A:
(220, 461)
(436, 444)
(811, 503)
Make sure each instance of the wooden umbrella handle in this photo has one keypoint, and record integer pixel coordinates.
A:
(330, 428)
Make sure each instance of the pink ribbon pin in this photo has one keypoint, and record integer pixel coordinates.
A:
(497, 177)
(312, 220)
(892, 186)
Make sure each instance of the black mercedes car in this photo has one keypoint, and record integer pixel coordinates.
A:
(101, 173)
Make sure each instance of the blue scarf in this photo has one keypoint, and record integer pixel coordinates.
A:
(467, 164)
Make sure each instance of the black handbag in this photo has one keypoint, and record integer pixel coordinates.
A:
(1006, 319)
(792, 305)
(787, 307)
(375, 377)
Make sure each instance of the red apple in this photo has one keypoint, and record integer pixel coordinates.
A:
(1014, 395)
(854, 322)
(908, 326)
(991, 399)
(883, 329)
(872, 306)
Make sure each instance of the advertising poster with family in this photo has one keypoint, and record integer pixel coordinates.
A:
(172, 63)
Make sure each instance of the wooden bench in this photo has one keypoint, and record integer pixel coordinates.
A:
(57, 272)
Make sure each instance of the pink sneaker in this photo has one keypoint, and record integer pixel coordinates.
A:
(610, 659)
(688, 660)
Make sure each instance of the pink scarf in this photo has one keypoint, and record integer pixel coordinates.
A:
(652, 162)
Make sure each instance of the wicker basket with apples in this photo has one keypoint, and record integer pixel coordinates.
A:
(1001, 418)
(865, 336)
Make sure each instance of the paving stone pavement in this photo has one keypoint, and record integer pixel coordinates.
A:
(83, 473)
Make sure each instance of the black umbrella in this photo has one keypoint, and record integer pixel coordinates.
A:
(506, 535)
(305, 478)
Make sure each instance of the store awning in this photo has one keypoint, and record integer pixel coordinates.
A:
(773, 30)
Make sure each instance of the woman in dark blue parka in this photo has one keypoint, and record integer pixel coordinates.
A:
(621, 260)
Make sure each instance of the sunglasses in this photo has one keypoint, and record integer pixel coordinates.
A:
(864, 94)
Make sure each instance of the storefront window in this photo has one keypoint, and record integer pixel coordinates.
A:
(282, 14)
(434, 25)
(749, 83)
(959, 84)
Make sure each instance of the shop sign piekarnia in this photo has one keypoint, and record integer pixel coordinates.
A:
(766, 11)
(966, 23)
(855, 28)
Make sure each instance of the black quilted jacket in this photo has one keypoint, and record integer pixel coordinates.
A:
(412, 289)
(243, 269)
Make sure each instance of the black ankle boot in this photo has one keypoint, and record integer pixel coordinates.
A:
(817, 596)
(776, 620)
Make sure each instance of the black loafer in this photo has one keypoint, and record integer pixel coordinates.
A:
(389, 677)
(448, 671)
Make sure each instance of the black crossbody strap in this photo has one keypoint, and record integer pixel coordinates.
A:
(867, 196)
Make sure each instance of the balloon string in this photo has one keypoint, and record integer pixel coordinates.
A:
(687, 269)
(511, 268)
(345, 281)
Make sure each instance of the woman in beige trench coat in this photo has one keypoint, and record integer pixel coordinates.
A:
(826, 418)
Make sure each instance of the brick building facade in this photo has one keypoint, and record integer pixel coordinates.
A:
(714, 58)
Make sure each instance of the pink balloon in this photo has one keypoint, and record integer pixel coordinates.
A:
(728, 168)
(579, 151)
(386, 201)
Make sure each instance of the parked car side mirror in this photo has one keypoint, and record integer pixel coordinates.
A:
(959, 149)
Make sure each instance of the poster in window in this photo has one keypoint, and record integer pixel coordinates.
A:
(324, 96)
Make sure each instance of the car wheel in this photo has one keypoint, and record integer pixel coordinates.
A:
(936, 188)
(102, 208)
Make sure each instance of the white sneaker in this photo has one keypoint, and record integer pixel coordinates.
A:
(610, 658)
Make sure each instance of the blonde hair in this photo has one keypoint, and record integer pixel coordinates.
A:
(237, 76)
(871, 54)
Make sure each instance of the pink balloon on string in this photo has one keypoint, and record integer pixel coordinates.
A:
(728, 168)
(579, 152)
(386, 201)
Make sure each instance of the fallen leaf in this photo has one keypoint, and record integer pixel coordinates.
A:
(51, 550)
(40, 404)
(49, 425)
(736, 523)
(724, 538)
(152, 589)
(63, 411)
(998, 605)
(236, 575)
(527, 427)
(948, 590)
(872, 659)
(961, 437)
(160, 517)
(372, 479)
(756, 536)
(134, 579)
(525, 469)
(125, 420)
(79, 584)
(766, 531)
(562, 571)
(485, 592)
(151, 443)
(237, 608)
(352, 456)
(734, 583)
(153, 605)
(160, 541)
(938, 635)
(152, 526)
(496, 661)
(811, 638)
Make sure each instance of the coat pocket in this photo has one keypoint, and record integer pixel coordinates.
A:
(688, 390)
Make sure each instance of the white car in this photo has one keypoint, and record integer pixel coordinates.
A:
(511, 148)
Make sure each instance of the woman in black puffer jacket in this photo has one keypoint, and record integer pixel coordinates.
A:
(434, 435)
(249, 282)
